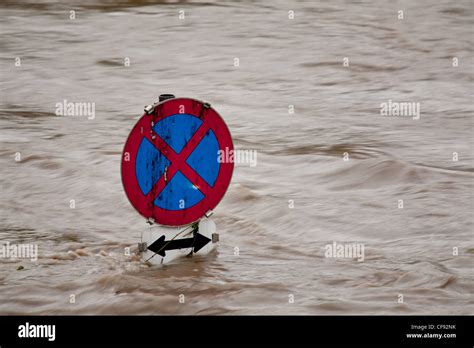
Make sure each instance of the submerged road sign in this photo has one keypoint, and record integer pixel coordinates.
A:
(165, 244)
(170, 164)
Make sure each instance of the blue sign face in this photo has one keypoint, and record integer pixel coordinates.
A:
(180, 192)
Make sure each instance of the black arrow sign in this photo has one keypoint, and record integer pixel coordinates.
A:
(159, 246)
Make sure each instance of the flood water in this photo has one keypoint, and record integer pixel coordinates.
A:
(60, 175)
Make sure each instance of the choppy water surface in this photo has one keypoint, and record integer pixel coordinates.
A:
(282, 62)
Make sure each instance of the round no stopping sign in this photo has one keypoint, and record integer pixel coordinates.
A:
(171, 167)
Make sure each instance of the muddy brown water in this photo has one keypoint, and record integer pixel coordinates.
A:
(282, 62)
